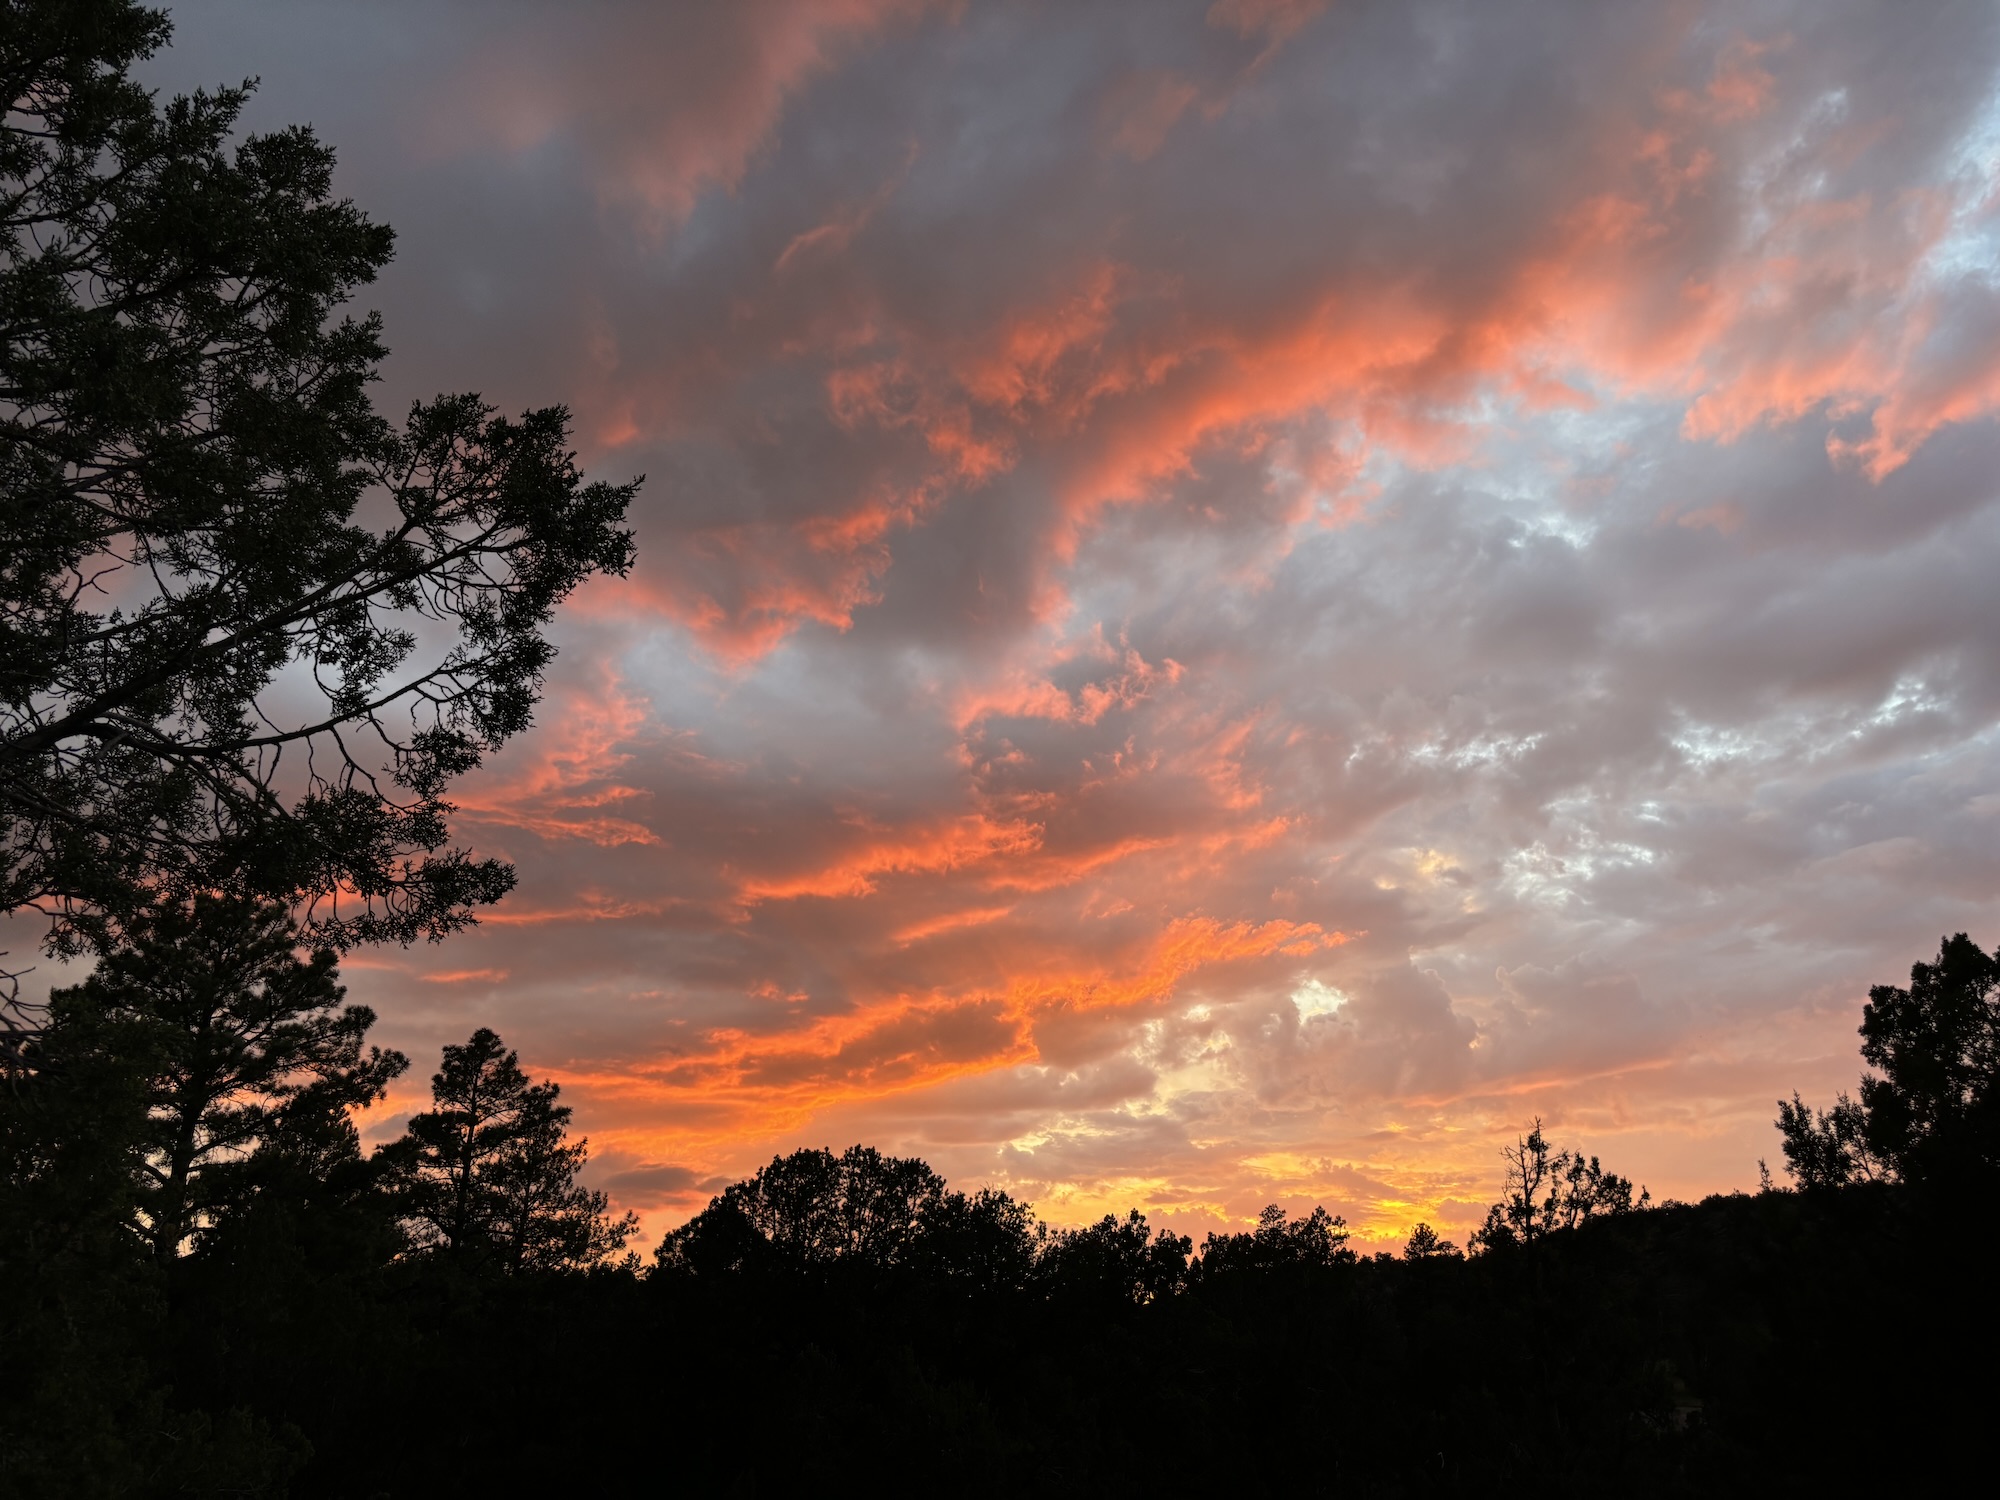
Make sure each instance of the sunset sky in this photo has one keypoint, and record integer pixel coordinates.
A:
(1233, 599)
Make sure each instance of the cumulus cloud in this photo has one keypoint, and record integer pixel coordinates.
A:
(1483, 511)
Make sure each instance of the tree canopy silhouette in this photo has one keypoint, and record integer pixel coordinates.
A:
(339, 1319)
(1548, 1189)
(1425, 1243)
(196, 496)
(1115, 1259)
(1278, 1242)
(860, 1213)
(489, 1174)
(1933, 1111)
(241, 1044)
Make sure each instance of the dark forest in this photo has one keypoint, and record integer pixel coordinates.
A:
(211, 1290)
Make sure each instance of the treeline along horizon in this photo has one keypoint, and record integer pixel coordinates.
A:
(211, 1289)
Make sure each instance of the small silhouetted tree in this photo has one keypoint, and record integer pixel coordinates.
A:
(1517, 1217)
(813, 1209)
(1425, 1244)
(1583, 1189)
(1118, 1260)
(1317, 1240)
(1546, 1189)
(859, 1214)
(489, 1177)
(719, 1241)
(1828, 1148)
(243, 1046)
(980, 1242)
(1933, 1109)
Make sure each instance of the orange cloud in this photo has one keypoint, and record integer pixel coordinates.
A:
(956, 921)
(1018, 696)
(1187, 944)
(567, 787)
(961, 843)
(733, 1079)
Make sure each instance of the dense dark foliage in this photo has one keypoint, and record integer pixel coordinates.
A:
(488, 1177)
(1932, 1114)
(444, 1316)
(241, 1048)
(200, 1263)
(196, 495)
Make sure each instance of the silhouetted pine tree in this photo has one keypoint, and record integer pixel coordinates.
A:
(243, 1047)
(186, 429)
(489, 1177)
